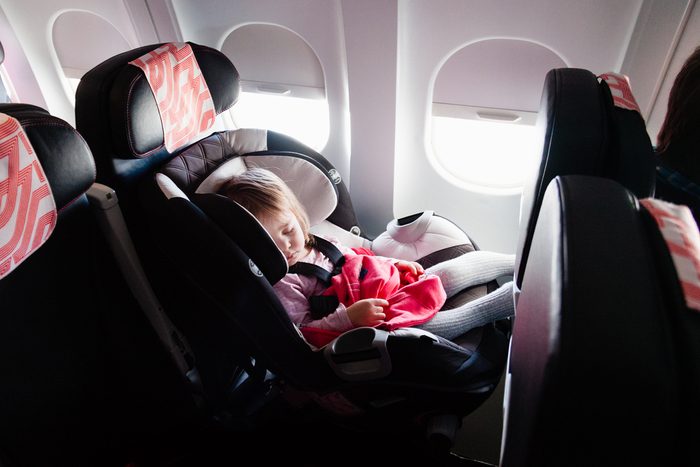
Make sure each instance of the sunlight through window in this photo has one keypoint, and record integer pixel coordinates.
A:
(484, 154)
(303, 119)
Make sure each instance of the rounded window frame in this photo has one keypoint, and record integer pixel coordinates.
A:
(284, 91)
(492, 115)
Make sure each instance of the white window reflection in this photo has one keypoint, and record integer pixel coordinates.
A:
(301, 118)
(484, 155)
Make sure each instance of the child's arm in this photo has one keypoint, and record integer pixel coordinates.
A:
(291, 291)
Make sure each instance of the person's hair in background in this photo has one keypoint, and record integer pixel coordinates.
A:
(681, 125)
(678, 142)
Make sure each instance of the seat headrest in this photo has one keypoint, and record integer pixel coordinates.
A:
(309, 183)
(182, 97)
(44, 166)
(62, 152)
(680, 233)
(620, 91)
(118, 114)
(630, 152)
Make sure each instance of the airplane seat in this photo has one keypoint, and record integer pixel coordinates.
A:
(58, 396)
(587, 125)
(675, 242)
(217, 263)
(594, 374)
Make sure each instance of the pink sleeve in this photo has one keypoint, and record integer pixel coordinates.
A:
(293, 291)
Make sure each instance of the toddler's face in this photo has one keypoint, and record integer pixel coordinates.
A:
(287, 235)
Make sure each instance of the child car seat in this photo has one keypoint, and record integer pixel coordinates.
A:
(602, 365)
(588, 126)
(213, 264)
(58, 394)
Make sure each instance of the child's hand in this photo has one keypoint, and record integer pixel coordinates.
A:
(411, 266)
(367, 312)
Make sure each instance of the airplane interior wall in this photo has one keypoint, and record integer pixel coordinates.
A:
(680, 42)
(585, 34)
(380, 60)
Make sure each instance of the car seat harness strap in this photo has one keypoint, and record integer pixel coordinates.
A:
(322, 305)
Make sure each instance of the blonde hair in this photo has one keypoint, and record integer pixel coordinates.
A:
(266, 195)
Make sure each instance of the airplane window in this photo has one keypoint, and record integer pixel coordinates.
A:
(485, 101)
(482, 153)
(7, 92)
(282, 83)
(300, 118)
(82, 40)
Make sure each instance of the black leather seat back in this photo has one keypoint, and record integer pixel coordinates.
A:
(57, 392)
(583, 133)
(593, 378)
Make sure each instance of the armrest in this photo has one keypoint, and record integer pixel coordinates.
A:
(360, 354)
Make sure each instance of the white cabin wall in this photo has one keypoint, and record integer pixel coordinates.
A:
(17, 65)
(318, 22)
(686, 39)
(370, 28)
(33, 22)
(650, 50)
(592, 35)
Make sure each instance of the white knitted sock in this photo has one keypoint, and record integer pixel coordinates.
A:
(455, 322)
(476, 267)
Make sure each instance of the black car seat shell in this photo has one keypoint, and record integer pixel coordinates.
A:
(583, 131)
(229, 262)
(594, 376)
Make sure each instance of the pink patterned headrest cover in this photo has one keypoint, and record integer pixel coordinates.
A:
(621, 91)
(27, 208)
(683, 239)
(184, 101)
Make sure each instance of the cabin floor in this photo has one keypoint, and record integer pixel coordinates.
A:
(311, 440)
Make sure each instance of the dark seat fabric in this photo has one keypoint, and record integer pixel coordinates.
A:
(211, 279)
(57, 391)
(581, 132)
(685, 327)
(594, 373)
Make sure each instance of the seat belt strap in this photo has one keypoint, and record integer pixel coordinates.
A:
(105, 204)
(322, 305)
(330, 251)
(308, 269)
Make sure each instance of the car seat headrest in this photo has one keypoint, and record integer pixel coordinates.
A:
(120, 93)
(680, 233)
(311, 185)
(241, 226)
(45, 165)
